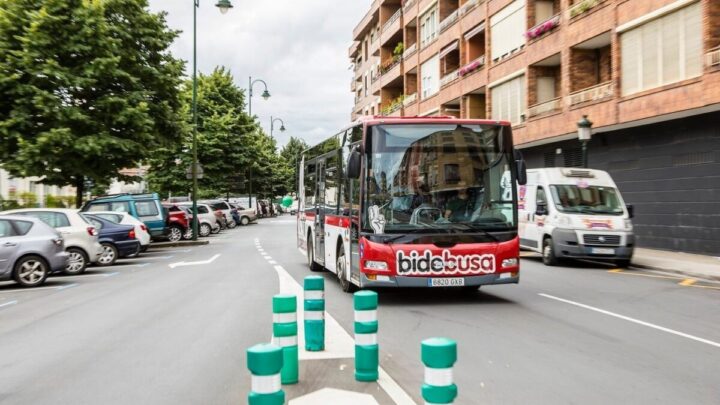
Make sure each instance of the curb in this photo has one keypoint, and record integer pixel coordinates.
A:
(179, 244)
(686, 273)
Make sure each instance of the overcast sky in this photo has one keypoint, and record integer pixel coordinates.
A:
(299, 47)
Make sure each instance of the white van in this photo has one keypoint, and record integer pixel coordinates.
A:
(571, 213)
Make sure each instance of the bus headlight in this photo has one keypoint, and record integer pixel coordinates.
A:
(510, 262)
(376, 265)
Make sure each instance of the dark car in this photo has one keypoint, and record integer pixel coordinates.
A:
(117, 240)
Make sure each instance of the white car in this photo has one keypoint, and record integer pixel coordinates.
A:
(207, 222)
(141, 231)
(81, 237)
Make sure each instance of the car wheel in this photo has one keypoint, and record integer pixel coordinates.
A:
(217, 228)
(244, 221)
(205, 230)
(548, 253)
(175, 234)
(109, 254)
(77, 261)
(30, 271)
(311, 257)
(342, 272)
(231, 224)
(188, 233)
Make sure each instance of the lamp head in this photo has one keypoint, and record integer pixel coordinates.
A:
(584, 128)
(224, 6)
(265, 95)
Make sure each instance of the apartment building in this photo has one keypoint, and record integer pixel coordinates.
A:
(645, 72)
(13, 188)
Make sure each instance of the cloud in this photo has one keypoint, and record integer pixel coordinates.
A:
(299, 47)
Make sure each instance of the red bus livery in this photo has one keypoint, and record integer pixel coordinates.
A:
(412, 202)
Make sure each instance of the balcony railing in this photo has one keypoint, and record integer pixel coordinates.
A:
(546, 107)
(392, 19)
(410, 50)
(408, 4)
(594, 93)
(389, 64)
(472, 66)
(448, 78)
(543, 28)
(469, 5)
(450, 20)
(581, 7)
(713, 57)
(393, 106)
(410, 99)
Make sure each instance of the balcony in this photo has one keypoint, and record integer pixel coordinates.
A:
(407, 5)
(448, 78)
(389, 64)
(596, 93)
(713, 57)
(394, 105)
(543, 28)
(392, 19)
(545, 107)
(450, 20)
(472, 66)
(410, 50)
(581, 7)
(409, 100)
(468, 6)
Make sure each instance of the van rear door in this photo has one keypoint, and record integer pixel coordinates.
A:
(150, 212)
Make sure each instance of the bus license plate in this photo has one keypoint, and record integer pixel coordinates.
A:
(446, 282)
(603, 251)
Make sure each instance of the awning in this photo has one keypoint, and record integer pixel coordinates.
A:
(480, 28)
(453, 46)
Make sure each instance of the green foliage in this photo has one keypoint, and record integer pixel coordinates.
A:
(290, 156)
(399, 49)
(88, 88)
(29, 200)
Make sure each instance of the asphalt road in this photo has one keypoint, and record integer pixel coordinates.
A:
(148, 333)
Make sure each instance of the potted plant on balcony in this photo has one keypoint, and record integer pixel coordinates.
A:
(399, 49)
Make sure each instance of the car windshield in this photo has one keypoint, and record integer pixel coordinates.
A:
(448, 177)
(586, 199)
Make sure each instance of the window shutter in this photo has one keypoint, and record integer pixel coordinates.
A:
(630, 54)
(671, 58)
(692, 24)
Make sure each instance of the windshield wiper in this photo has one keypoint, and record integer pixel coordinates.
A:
(476, 228)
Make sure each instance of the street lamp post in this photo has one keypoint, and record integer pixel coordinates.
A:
(224, 6)
(265, 95)
(272, 125)
(584, 135)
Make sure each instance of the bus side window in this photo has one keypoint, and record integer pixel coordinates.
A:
(310, 187)
(331, 184)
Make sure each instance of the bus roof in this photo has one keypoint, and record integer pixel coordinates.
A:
(377, 119)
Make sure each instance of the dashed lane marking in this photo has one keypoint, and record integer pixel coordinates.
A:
(633, 320)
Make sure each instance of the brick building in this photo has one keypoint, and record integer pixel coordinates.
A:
(647, 73)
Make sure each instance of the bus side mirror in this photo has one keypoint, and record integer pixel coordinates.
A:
(521, 172)
(630, 210)
(353, 165)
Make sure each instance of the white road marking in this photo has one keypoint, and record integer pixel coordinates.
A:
(81, 276)
(166, 251)
(122, 265)
(633, 320)
(19, 290)
(272, 262)
(7, 304)
(66, 286)
(182, 264)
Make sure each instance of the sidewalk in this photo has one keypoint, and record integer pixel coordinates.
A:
(691, 265)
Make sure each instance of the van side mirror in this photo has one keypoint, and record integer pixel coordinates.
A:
(353, 164)
(541, 209)
(521, 167)
(631, 210)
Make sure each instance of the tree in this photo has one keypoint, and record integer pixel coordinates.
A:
(86, 88)
(290, 156)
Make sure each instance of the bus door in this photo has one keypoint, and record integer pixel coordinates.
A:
(319, 227)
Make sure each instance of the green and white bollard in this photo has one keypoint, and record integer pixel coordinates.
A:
(285, 331)
(439, 356)
(314, 306)
(366, 328)
(265, 362)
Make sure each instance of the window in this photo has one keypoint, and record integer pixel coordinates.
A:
(331, 183)
(452, 173)
(662, 51)
(22, 227)
(508, 29)
(508, 100)
(121, 206)
(310, 185)
(429, 26)
(97, 224)
(146, 208)
(540, 197)
(6, 229)
(117, 218)
(54, 219)
(202, 209)
(430, 71)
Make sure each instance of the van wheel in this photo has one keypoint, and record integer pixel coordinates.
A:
(311, 256)
(342, 272)
(548, 253)
(77, 261)
(30, 271)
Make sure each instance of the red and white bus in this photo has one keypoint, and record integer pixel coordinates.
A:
(412, 202)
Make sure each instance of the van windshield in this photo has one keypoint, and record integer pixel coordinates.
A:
(593, 200)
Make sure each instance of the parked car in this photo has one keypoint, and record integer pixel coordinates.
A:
(207, 221)
(223, 206)
(178, 222)
(80, 236)
(221, 221)
(117, 240)
(30, 250)
(141, 231)
(145, 207)
(244, 215)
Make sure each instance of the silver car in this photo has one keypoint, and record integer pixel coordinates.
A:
(29, 250)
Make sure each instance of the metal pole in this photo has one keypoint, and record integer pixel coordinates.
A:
(196, 4)
(272, 122)
(250, 96)
(584, 154)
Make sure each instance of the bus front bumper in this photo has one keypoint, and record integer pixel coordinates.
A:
(424, 282)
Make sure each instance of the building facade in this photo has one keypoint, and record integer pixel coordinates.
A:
(646, 73)
(30, 188)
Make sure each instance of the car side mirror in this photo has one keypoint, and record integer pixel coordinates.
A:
(541, 209)
(631, 210)
(353, 164)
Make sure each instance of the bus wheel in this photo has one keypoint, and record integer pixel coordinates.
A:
(342, 272)
(311, 255)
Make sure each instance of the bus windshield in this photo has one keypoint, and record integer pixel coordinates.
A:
(438, 177)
